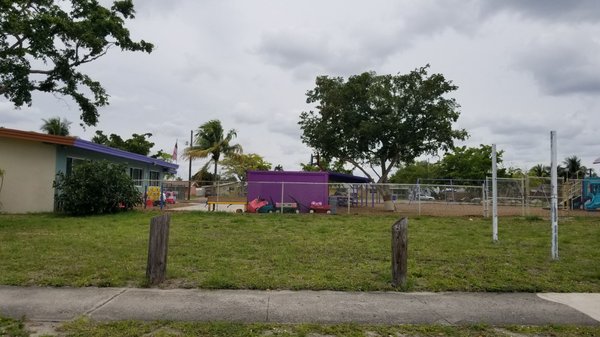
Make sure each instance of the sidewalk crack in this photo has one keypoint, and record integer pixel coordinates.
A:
(440, 318)
(89, 312)
(268, 303)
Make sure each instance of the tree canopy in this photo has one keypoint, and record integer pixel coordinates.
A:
(572, 168)
(324, 165)
(470, 163)
(539, 170)
(375, 122)
(137, 143)
(237, 164)
(56, 126)
(212, 142)
(43, 43)
(409, 173)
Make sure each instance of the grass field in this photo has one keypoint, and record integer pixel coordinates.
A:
(88, 328)
(271, 251)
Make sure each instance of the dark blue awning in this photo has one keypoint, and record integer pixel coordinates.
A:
(347, 178)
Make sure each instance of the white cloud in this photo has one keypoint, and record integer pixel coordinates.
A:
(523, 67)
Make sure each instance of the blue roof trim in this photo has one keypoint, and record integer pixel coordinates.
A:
(347, 178)
(99, 148)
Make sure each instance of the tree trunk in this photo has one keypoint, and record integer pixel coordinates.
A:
(388, 203)
(158, 246)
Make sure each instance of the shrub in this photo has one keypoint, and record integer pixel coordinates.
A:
(96, 187)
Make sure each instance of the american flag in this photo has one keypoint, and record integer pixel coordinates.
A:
(175, 152)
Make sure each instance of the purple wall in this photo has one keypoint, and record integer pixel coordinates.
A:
(296, 185)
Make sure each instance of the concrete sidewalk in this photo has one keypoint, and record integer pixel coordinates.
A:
(60, 304)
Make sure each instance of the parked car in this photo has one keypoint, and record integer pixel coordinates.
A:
(341, 195)
(424, 197)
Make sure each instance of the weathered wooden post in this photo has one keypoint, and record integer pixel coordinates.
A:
(399, 252)
(158, 246)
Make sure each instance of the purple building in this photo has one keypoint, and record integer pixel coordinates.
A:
(293, 186)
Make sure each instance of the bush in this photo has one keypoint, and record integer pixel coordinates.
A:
(96, 187)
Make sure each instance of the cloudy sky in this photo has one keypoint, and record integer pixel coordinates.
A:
(523, 67)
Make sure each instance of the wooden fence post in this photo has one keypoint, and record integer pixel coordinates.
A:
(399, 252)
(158, 247)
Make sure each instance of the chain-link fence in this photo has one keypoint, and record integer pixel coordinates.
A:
(532, 196)
(348, 198)
(516, 197)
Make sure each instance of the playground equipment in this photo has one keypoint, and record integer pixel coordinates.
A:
(591, 194)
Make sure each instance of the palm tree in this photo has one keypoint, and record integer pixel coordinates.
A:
(540, 170)
(56, 126)
(212, 142)
(573, 167)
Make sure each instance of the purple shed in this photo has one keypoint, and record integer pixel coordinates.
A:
(296, 186)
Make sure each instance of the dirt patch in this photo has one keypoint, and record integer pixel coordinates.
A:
(432, 208)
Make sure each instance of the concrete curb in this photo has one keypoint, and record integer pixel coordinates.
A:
(108, 304)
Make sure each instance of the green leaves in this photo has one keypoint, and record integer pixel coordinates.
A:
(96, 188)
(61, 38)
(56, 126)
(212, 142)
(237, 164)
(137, 143)
(381, 120)
(469, 163)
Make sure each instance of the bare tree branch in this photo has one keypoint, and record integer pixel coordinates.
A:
(87, 58)
(374, 170)
(356, 165)
(44, 72)
(18, 43)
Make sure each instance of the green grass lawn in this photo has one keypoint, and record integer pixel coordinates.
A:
(85, 327)
(88, 328)
(271, 251)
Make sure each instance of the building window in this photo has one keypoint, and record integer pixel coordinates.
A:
(154, 178)
(72, 163)
(137, 175)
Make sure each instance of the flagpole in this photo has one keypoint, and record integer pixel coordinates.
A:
(190, 169)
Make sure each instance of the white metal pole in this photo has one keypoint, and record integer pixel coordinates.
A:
(554, 195)
(494, 195)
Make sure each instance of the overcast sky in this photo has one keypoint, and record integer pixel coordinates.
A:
(523, 68)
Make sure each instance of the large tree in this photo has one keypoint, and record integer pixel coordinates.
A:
(56, 126)
(573, 168)
(212, 142)
(237, 164)
(43, 43)
(375, 122)
(410, 173)
(470, 163)
(137, 143)
(539, 170)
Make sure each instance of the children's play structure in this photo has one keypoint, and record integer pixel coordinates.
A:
(591, 194)
(295, 190)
